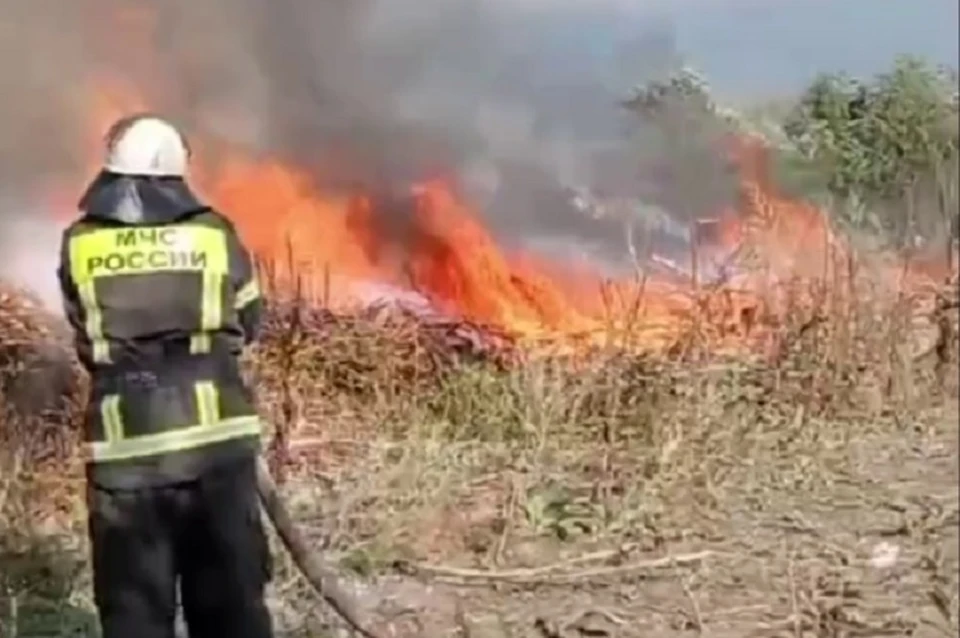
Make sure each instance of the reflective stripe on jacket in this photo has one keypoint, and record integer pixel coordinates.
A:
(161, 312)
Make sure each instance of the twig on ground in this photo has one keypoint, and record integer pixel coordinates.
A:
(13, 475)
(694, 603)
(548, 574)
(796, 618)
(460, 619)
(509, 511)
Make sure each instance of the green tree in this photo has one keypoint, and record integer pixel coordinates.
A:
(886, 149)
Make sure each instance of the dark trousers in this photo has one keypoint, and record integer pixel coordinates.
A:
(207, 533)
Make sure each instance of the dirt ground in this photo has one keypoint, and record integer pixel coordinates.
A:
(856, 538)
(796, 527)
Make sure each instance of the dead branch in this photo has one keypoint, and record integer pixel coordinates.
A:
(553, 574)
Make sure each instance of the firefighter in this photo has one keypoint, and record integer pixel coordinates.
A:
(162, 298)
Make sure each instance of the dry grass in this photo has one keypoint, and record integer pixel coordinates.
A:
(813, 493)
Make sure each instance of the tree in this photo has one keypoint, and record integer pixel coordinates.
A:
(886, 149)
(686, 128)
(880, 154)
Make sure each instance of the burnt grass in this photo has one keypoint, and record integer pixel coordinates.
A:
(467, 490)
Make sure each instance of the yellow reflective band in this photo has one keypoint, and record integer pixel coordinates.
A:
(94, 321)
(110, 252)
(110, 415)
(208, 402)
(247, 293)
(211, 313)
(179, 440)
(200, 343)
(113, 252)
(101, 351)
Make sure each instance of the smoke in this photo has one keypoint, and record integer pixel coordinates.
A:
(517, 99)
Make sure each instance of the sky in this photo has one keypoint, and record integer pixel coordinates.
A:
(781, 45)
(749, 50)
(755, 48)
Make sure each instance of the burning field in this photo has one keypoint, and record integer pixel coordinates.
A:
(443, 407)
(747, 430)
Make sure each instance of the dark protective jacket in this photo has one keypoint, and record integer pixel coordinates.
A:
(162, 297)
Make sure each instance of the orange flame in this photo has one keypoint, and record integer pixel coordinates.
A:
(330, 240)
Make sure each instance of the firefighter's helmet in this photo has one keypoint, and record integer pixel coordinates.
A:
(146, 145)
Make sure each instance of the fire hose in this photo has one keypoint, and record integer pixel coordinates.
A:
(321, 577)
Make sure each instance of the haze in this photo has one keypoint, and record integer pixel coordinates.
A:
(400, 88)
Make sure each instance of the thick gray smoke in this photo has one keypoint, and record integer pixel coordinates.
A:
(517, 99)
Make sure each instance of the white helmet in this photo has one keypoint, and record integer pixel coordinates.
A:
(146, 145)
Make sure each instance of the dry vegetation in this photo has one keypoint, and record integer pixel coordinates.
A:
(813, 493)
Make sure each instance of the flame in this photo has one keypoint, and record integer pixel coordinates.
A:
(302, 233)
(328, 241)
